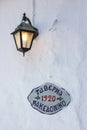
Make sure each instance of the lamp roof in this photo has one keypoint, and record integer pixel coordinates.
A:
(23, 26)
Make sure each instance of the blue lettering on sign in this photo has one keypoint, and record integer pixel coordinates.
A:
(49, 99)
(45, 108)
(50, 88)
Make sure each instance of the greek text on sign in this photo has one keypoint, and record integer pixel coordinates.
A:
(49, 99)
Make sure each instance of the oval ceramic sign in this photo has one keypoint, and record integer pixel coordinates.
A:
(49, 98)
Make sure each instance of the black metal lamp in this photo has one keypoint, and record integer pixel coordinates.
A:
(24, 35)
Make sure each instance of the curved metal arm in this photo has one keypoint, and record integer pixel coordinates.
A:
(26, 19)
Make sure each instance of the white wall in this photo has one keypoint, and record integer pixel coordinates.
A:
(58, 56)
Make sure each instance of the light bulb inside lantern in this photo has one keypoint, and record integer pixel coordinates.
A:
(26, 39)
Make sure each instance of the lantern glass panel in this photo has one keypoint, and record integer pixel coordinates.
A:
(17, 39)
(26, 39)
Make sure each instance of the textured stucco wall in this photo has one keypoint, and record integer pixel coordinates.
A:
(58, 56)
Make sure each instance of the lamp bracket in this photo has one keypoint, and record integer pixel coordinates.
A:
(26, 19)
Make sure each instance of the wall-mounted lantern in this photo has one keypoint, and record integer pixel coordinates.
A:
(24, 35)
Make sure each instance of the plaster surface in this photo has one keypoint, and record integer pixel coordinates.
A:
(58, 55)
